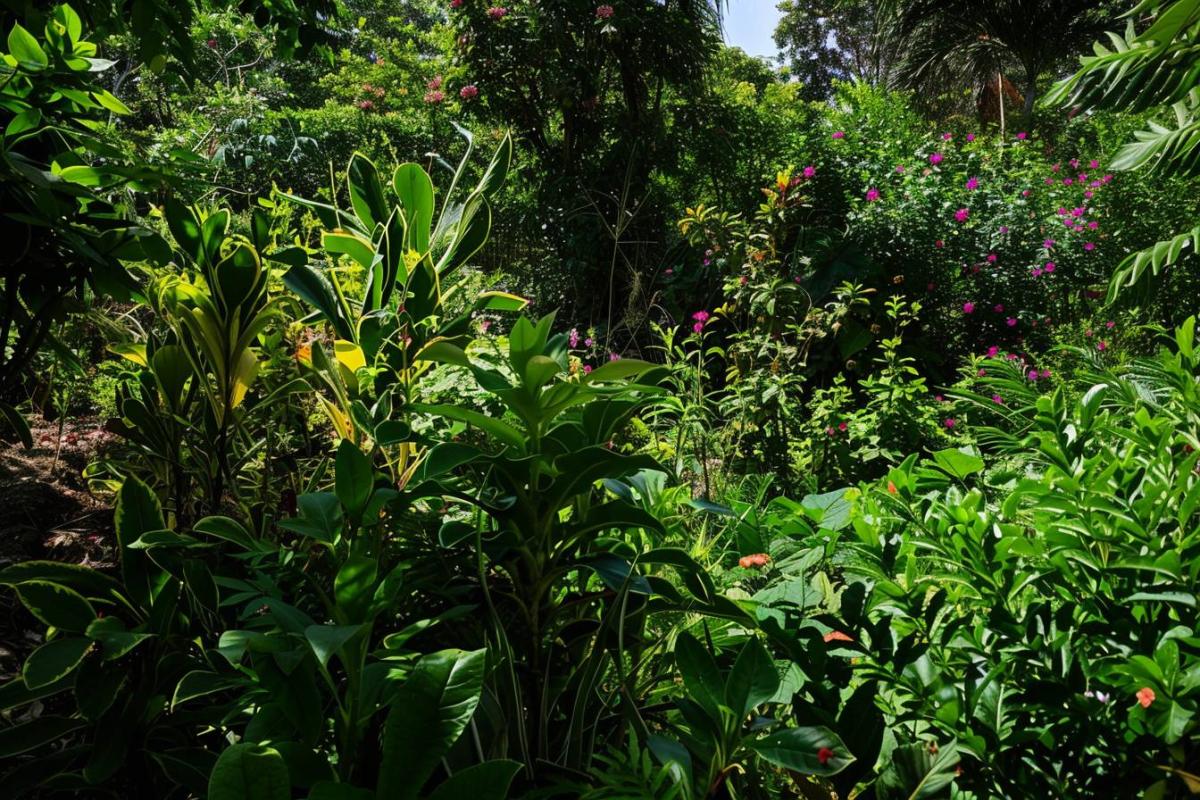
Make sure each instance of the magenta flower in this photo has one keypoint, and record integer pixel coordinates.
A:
(1049, 266)
(810, 171)
(469, 92)
(998, 308)
(1036, 272)
(1101, 346)
(1033, 375)
(1045, 373)
(947, 137)
(1110, 325)
(604, 12)
(1022, 136)
(1068, 181)
(587, 368)
(497, 12)
(839, 134)
(968, 308)
(949, 422)
(573, 339)
(992, 257)
(935, 158)
(1093, 225)
(1078, 212)
(1011, 322)
(873, 195)
(698, 327)
(1089, 246)
(1048, 244)
(1093, 164)
(1075, 163)
(997, 399)
(970, 137)
(1004, 229)
(589, 342)
(899, 169)
(613, 357)
(701, 316)
(972, 184)
(962, 215)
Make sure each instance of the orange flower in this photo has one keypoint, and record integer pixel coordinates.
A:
(304, 352)
(1145, 696)
(755, 560)
(838, 636)
(891, 488)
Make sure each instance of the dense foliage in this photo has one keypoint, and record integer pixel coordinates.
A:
(549, 401)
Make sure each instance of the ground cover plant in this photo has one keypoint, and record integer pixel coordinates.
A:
(534, 401)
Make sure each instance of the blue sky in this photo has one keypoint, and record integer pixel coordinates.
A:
(749, 24)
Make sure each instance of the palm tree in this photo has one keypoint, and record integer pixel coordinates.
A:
(942, 43)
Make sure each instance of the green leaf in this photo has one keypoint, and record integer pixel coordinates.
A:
(809, 751)
(958, 463)
(110, 102)
(54, 660)
(247, 771)
(320, 517)
(110, 632)
(619, 370)
(753, 679)
(429, 713)
(202, 682)
(137, 512)
(17, 422)
(355, 583)
(56, 605)
(415, 191)
(487, 781)
(26, 50)
(366, 192)
(353, 478)
(700, 675)
(915, 773)
(326, 640)
(32, 735)
(231, 531)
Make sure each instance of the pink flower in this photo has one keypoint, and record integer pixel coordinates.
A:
(962, 215)
(613, 357)
(992, 257)
(1075, 163)
(1022, 136)
(970, 137)
(968, 308)
(1049, 266)
(1093, 225)
(434, 83)
(1036, 272)
(497, 12)
(972, 184)
(842, 426)
(993, 351)
(1110, 325)
(1089, 194)
(810, 171)
(1102, 346)
(939, 398)
(1078, 212)
(949, 422)
(939, 243)
(839, 134)
(435, 97)
(1089, 246)
(997, 399)
(587, 368)
(935, 158)
(456, 3)
(1025, 193)
(1004, 229)
(873, 195)
(1011, 322)
(469, 92)
(947, 137)
(701, 316)
(604, 12)
(1048, 244)
(1056, 168)
(1045, 373)
(1068, 181)
(899, 169)
(998, 308)
(1093, 164)
(1033, 375)
(589, 342)
(1145, 696)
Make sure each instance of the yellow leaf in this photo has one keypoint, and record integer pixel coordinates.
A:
(349, 355)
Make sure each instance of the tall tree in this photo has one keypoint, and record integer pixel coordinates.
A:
(942, 43)
(824, 40)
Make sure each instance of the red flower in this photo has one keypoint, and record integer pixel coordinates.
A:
(1145, 696)
(823, 755)
(755, 560)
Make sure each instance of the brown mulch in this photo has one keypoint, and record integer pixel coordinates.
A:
(47, 512)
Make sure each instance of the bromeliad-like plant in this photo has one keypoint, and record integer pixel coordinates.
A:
(410, 254)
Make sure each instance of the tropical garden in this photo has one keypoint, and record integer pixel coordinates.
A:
(438, 399)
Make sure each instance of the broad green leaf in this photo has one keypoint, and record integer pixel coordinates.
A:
(809, 751)
(247, 771)
(26, 50)
(915, 772)
(137, 512)
(56, 605)
(54, 660)
(429, 713)
(31, 735)
(487, 781)
(957, 463)
(326, 640)
(753, 679)
(353, 478)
